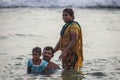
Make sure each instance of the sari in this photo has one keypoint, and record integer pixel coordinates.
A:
(73, 59)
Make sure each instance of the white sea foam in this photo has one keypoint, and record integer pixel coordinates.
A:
(60, 3)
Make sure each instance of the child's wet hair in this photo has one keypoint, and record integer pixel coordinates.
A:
(69, 11)
(37, 49)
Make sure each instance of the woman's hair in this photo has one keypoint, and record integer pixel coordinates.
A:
(69, 11)
(37, 49)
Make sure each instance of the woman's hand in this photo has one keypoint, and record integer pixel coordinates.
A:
(62, 56)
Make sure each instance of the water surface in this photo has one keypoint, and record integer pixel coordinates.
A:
(22, 29)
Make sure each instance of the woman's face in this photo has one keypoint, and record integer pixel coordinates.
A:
(66, 17)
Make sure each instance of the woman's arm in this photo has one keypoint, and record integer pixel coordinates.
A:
(70, 45)
(57, 46)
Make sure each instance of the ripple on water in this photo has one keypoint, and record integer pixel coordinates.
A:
(117, 69)
(98, 74)
(3, 37)
(20, 58)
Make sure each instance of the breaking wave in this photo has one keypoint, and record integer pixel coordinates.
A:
(60, 3)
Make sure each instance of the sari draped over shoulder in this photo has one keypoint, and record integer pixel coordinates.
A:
(74, 58)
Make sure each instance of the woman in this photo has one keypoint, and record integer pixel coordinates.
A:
(70, 42)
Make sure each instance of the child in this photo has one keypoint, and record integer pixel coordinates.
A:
(70, 42)
(36, 65)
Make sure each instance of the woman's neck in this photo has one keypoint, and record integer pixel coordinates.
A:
(69, 21)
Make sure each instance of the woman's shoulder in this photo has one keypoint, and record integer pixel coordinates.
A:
(74, 24)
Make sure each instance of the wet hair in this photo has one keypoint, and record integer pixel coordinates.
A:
(49, 48)
(37, 49)
(69, 11)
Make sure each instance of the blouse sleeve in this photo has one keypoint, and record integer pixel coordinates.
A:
(74, 28)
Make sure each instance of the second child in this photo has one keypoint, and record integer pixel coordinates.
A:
(36, 65)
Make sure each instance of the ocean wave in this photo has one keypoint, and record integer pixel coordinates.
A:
(60, 3)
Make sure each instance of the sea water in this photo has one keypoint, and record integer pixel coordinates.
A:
(60, 3)
(23, 28)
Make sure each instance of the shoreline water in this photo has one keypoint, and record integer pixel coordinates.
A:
(24, 28)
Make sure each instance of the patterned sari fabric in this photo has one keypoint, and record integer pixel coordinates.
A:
(69, 61)
(74, 58)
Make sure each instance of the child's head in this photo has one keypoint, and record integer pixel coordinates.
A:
(68, 14)
(36, 52)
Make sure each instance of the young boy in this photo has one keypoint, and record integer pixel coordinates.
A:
(36, 65)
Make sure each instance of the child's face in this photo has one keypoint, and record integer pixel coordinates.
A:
(67, 17)
(36, 55)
